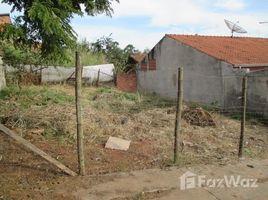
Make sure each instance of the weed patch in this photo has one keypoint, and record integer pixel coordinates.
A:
(26, 97)
(113, 100)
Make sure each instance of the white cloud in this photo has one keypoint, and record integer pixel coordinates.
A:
(161, 12)
(4, 8)
(174, 16)
(232, 5)
(140, 39)
(181, 17)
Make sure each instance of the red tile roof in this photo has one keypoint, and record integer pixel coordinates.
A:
(4, 19)
(138, 57)
(236, 50)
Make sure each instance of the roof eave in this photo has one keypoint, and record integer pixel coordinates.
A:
(252, 65)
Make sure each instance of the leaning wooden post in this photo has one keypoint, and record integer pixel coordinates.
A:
(178, 114)
(243, 116)
(98, 78)
(79, 121)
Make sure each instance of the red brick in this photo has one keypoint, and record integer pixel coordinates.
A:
(152, 64)
(143, 66)
(127, 82)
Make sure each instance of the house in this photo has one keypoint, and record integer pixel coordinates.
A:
(136, 58)
(213, 67)
(127, 81)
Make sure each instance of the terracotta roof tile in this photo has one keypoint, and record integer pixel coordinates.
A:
(236, 50)
(138, 56)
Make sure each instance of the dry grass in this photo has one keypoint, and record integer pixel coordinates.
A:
(108, 112)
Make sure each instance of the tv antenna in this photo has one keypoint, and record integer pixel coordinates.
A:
(234, 27)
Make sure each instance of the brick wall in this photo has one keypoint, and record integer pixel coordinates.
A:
(143, 66)
(152, 64)
(127, 82)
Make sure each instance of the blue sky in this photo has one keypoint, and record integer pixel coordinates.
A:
(144, 23)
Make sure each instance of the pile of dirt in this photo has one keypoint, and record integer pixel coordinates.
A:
(198, 117)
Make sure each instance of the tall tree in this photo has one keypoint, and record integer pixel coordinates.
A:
(114, 53)
(46, 23)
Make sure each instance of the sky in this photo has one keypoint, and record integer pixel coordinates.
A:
(144, 22)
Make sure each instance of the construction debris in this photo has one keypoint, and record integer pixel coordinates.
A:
(117, 143)
(198, 117)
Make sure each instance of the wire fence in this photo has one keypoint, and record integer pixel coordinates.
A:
(236, 104)
(210, 129)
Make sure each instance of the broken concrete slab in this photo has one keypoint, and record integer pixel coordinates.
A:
(117, 143)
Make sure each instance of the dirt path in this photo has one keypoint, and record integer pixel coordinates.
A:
(165, 184)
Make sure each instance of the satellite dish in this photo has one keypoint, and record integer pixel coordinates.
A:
(234, 27)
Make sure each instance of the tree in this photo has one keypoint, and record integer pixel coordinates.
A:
(19, 56)
(46, 23)
(113, 53)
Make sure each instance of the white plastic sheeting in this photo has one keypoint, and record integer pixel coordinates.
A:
(60, 74)
(106, 72)
(56, 74)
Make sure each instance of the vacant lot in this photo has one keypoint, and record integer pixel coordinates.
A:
(45, 115)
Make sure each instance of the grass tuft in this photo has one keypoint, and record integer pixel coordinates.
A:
(34, 95)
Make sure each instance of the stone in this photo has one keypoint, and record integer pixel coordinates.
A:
(124, 120)
(117, 143)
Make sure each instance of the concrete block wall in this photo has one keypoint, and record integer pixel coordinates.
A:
(2, 75)
(232, 86)
(202, 73)
(206, 79)
(257, 92)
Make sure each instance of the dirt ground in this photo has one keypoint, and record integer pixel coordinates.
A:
(145, 120)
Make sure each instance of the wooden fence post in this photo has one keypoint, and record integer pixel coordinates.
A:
(98, 78)
(243, 116)
(79, 120)
(114, 76)
(178, 114)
